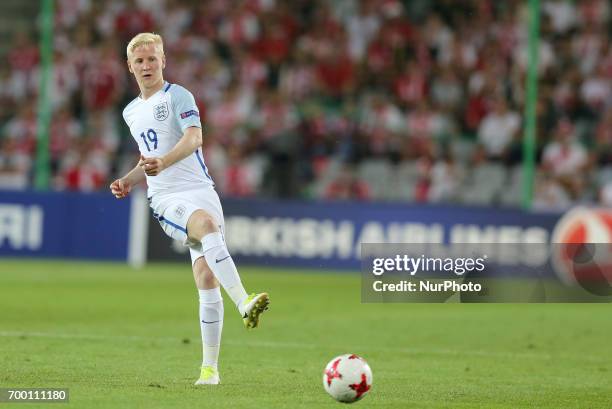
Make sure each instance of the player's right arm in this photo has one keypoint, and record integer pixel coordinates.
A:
(121, 187)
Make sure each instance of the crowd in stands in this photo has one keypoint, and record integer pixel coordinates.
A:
(415, 100)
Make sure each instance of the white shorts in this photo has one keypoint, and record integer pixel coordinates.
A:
(173, 210)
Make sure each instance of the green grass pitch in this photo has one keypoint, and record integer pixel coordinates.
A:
(121, 338)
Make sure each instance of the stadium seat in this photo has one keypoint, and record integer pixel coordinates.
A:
(484, 184)
(404, 180)
(328, 175)
(375, 172)
(604, 176)
(511, 193)
(462, 149)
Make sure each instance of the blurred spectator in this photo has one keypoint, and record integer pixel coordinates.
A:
(603, 140)
(14, 166)
(82, 176)
(550, 195)
(596, 89)
(297, 78)
(12, 89)
(562, 14)
(362, 28)
(69, 11)
(498, 129)
(238, 179)
(411, 85)
(103, 80)
(335, 73)
(22, 129)
(424, 123)
(274, 45)
(546, 55)
(63, 133)
(446, 180)
(216, 78)
(447, 91)
(240, 26)
(176, 19)
(347, 186)
(594, 12)
(64, 81)
(566, 160)
(422, 186)
(476, 109)
(24, 55)
(229, 115)
(606, 195)
(132, 20)
(379, 119)
(82, 168)
(276, 116)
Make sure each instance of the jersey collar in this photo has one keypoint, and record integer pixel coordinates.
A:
(165, 87)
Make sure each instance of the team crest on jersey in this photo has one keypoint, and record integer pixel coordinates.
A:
(161, 111)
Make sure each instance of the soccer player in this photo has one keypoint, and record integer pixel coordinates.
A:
(165, 122)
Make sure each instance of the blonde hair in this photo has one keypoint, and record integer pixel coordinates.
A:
(145, 39)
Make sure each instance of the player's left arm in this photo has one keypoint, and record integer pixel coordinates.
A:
(189, 142)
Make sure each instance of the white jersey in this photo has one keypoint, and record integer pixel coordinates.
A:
(157, 124)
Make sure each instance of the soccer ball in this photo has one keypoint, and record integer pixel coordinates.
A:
(347, 378)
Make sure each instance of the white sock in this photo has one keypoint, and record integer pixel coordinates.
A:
(223, 267)
(211, 325)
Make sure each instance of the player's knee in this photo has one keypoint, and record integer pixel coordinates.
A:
(209, 280)
(201, 224)
(208, 224)
(203, 276)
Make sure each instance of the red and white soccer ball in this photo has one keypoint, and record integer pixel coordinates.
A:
(347, 378)
(573, 259)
